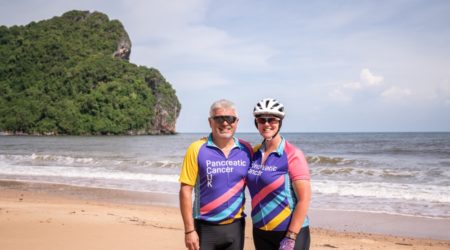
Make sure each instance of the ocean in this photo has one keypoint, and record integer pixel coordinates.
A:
(393, 173)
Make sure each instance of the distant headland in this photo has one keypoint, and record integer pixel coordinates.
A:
(70, 75)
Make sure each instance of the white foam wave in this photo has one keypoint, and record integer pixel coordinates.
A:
(365, 172)
(421, 192)
(325, 160)
(62, 160)
(88, 173)
(159, 163)
(41, 158)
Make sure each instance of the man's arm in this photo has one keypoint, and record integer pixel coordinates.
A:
(191, 239)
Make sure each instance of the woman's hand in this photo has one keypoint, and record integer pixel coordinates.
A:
(287, 244)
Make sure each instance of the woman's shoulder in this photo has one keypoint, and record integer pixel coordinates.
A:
(293, 150)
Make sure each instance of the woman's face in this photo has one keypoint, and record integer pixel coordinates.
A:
(268, 126)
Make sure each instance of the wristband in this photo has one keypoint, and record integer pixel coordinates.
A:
(291, 235)
(186, 233)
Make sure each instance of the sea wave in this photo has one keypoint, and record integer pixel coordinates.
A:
(85, 173)
(418, 192)
(326, 160)
(36, 159)
(365, 172)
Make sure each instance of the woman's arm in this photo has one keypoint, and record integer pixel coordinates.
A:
(302, 189)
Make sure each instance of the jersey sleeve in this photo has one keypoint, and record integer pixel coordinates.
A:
(256, 148)
(189, 169)
(297, 164)
(248, 147)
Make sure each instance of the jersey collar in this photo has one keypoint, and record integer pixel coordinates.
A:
(280, 148)
(210, 142)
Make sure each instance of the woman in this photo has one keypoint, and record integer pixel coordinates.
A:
(278, 181)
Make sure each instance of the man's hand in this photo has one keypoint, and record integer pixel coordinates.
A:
(191, 241)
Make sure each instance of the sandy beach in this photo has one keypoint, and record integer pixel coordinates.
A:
(47, 216)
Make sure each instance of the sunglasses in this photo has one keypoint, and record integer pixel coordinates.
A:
(228, 118)
(270, 120)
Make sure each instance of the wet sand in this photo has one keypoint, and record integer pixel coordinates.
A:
(48, 216)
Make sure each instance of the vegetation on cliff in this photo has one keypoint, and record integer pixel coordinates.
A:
(71, 75)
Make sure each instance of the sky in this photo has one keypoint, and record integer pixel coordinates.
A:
(337, 66)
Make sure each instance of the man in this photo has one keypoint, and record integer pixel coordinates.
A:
(216, 167)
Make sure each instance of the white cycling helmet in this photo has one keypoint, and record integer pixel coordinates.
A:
(269, 106)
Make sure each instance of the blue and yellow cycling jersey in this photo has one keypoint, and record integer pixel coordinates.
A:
(218, 181)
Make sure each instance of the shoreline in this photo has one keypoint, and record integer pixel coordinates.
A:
(45, 209)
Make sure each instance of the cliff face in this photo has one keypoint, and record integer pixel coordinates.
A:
(123, 50)
(71, 75)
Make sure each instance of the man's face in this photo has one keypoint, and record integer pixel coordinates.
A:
(223, 123)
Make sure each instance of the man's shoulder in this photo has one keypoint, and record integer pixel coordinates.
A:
(244, 143)
(198, 143)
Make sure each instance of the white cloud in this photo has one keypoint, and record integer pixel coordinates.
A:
(198, 80)
(213, 46)
(158, 18)
(443, 92)
(347, 91)
(176, 38)
(352, 85)
(370, 79)
(339, 95)
(370, 85)
(444, 87)
(395, 93)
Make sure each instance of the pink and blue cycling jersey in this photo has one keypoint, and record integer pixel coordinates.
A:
(218, 181)
(270, 186)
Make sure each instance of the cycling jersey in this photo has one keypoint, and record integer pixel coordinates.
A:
(270, 186)
(218, 181)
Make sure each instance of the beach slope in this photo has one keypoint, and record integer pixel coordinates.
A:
(37, 220)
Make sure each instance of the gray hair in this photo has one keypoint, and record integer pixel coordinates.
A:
(222, 104)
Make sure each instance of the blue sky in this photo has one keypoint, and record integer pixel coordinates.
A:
(336, 65)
